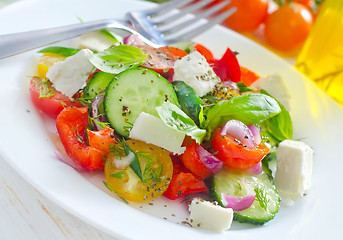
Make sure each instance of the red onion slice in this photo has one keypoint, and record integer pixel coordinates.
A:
(95, 111)
(231, 85)
(239, 203)
(239, 131)
(256, 133)
(133, 40)
(211, 162)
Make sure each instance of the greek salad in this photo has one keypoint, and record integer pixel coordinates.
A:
(173, 122)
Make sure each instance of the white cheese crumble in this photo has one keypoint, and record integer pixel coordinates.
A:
(71, 75)
(195, 71)
(276, 87)
(96, 40)
(210, 216)
(294, 169)
(151, 129)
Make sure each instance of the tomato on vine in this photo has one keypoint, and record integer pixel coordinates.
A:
(248, 16)
(288, 27)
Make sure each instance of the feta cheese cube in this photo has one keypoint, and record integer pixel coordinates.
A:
(96, 40)
(276, 87)
(194, 70)
(210, 216)
(70, 75)
(294, 168)
(151, 129)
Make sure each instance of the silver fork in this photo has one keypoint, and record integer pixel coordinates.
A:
(153, 29)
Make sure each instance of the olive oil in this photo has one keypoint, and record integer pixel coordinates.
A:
(321, 58)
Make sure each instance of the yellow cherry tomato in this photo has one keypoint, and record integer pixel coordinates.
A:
(156, 170)
(46, 61)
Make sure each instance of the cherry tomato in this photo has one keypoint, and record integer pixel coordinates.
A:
(162, 60)
(183, 182)
(304, 2)
(157, 170)
(248, 16)
(204, 51)
(191, 160)
(288, 27)
(71, 125)
(46, 98)
(234, 155)
(46, 61)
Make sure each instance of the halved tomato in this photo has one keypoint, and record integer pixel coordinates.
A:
(46, 98)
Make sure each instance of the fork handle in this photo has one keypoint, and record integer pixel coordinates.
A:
(11, 44)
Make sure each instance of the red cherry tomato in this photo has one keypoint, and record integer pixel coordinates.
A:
(183, 182)
(288, 27)
(235, 155)
(161, 60)
(191, 159)
(248, 16)
(204, 51)
(46, 98)
(71, 125)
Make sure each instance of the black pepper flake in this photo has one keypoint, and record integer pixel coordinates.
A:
(151, 204)
(179, 193)
(126, 111)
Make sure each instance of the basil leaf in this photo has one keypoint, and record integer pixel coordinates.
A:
(63, 51)
(176, 119)
(115, 38)
(279, 127)
(250, 109)
(118, 58)
(190, 103)
(243, 88)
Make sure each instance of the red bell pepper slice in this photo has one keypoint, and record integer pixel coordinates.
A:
(71, 125)
(227, 68)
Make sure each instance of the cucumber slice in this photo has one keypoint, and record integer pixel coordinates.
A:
(267, 201)
(134, 91)
(98, 83)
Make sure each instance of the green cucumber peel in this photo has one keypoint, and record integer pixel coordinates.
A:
(117, 59)
(176, 119)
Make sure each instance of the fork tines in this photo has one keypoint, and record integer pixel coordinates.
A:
(180, 20)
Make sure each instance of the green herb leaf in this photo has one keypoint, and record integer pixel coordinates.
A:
(118, 174)
(135, 165)
(190, 103)
(261, 197)
(116, 39)
(176, 119)
(118, 58)
(63, 51)
(279, 127)
(250, 109)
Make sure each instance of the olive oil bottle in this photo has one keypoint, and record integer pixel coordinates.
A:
(321, 58)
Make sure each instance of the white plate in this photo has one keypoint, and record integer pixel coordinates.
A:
(28, 144)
